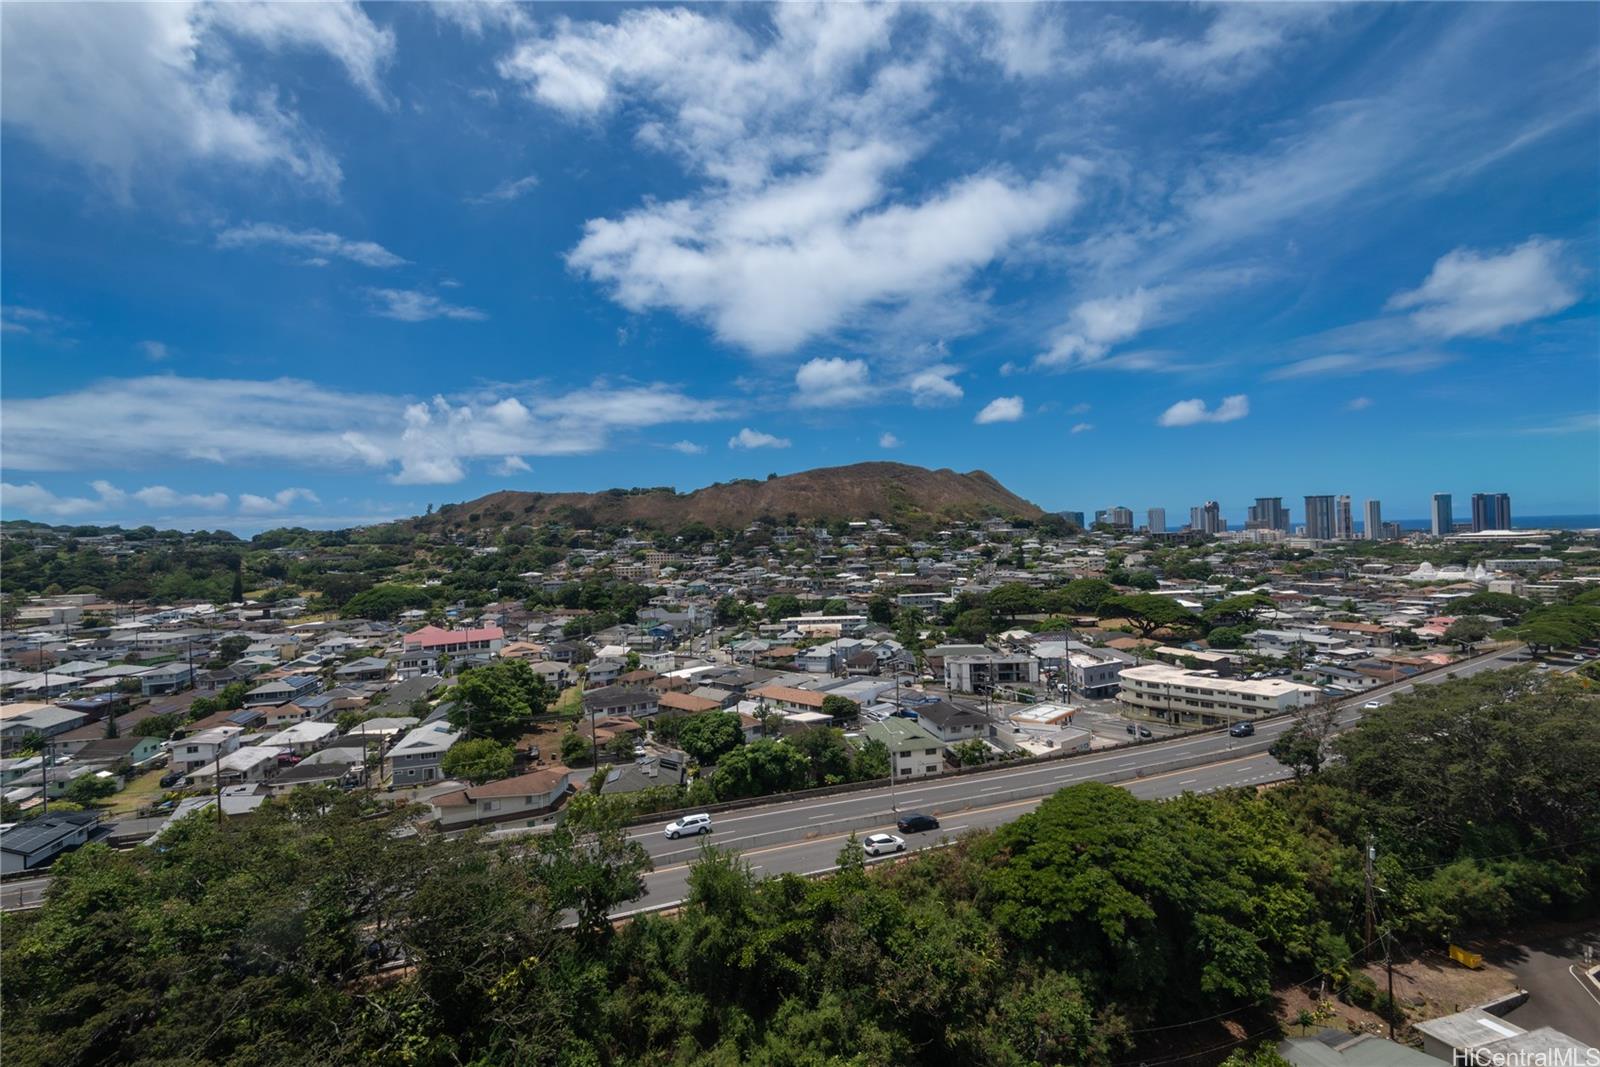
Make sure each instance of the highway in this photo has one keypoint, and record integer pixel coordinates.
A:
(803, 836)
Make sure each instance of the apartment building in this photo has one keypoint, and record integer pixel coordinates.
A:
(977, 674)
(1202, 698)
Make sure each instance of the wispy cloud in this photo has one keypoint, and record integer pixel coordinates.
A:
(1082, 427)
(1346, 363)
(316, 244)
(251, 504)
(154, 351)
(33, 499)
(888, 440)
(688, 448)
(230, 421)
(508, 190)
(414, 305)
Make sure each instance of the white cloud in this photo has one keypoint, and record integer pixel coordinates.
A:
(511, 465)
(1345, 363)
(1238, 42)
(31, 498)
(1080, 408)
(832, 382)
(1000, 409)
(154, 351)
(251, 504)
(932, 386)
(1095, 325)
(688, 448)
(1358, 403)
(508, 190)
(153, 85)
(319, 245)
(1082, 427)
(888, 440)
(413, 305)
(297, 423)
(1193, 412)
(748, 438)
(797, 231)
(1472, 293)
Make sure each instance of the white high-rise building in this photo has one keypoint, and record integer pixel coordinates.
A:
(1343, 523)
(1373, 523)
(1157, 518)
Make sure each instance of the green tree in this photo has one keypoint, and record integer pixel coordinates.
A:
(88, 788)
(162, 726)
(880, 609)
(760, 768)
(971, 752)
(1241, 613)
(1012, 599)
(710, 735)
(576, 750)
(1147, 613)
(385, 602)
(499, 700)
(826, 753)
(782, 606)
(1468, 630)
(478, 760)
(973, 625)
(837, 707)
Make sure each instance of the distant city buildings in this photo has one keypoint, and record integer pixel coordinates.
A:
(1491, 511)
(1343, 523)
(1442, 520)
(1075, 518)
(1157, 518)
(1268, 513)
(1319, 518)
(1118, 518)
(1372, 524)
(1207, 518)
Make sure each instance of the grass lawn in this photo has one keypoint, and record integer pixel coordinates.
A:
(569, 703)
(140, 792)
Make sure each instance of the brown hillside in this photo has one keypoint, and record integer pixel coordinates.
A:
(895, 492)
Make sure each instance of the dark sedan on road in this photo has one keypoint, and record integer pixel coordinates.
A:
(916, 822)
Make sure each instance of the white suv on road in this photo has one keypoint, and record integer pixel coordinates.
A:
(689, 824)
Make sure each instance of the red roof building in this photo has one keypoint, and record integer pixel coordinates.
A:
(437, 639)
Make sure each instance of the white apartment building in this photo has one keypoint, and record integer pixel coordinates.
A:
(1202, 698)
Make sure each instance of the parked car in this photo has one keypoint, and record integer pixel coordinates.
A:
(171, 779)
(1242, 729)
(689, 824)
(1369, 705)
(1144, 731)
(883, 844)
(915, 822)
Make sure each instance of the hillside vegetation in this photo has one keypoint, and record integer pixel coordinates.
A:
(895, 492)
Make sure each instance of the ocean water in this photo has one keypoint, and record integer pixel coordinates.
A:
(1518, 522)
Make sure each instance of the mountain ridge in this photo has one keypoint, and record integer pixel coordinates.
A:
(894, 492)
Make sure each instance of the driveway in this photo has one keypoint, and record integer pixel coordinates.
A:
(1551, 968)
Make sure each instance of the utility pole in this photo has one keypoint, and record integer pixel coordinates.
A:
(894, 805)
(1388, 964)
(1372, 852)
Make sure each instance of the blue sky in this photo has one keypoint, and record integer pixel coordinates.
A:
(323, 264)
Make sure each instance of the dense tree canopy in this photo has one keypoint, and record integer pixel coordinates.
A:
(499, 700)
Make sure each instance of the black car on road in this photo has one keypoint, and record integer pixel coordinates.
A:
(916, 822)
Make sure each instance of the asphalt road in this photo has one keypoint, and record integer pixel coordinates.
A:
(1561, 994)
(803, 836)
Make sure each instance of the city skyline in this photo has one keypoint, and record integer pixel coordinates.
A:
(277, 270)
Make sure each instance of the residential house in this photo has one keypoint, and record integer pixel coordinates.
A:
(129, 750)
(677, 703)
(636, 703)
(167, 678)
(29, 845)
(256, 763)
(605, 669)
(415, 758)
(982, 673)
(534, 796)
(456, 642)
(282, 690)
(304, 738)
(365, 669)
(913, 751)
(952, 722)
(195, 751)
